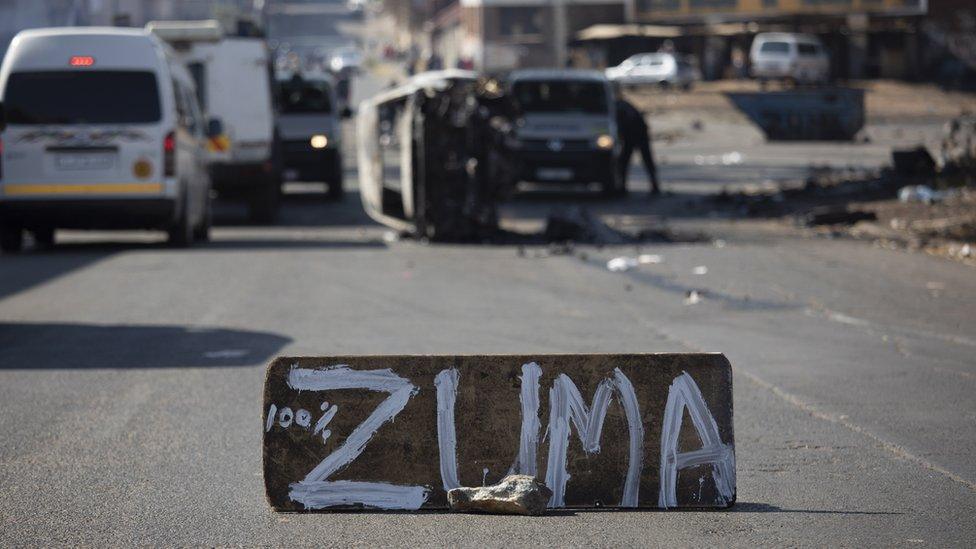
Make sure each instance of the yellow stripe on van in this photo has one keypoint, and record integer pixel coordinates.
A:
(27, 189)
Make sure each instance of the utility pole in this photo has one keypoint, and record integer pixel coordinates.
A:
(560, 32)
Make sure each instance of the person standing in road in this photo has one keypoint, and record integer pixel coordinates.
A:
(634, 134)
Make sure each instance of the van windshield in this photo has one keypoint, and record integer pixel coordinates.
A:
(82, 97)
(561, 96)
(775, 48)
(303, 96)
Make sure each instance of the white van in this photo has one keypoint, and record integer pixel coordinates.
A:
(234, 85)
(100, 129)
(789, 56)
(310, 126)
(566, 128)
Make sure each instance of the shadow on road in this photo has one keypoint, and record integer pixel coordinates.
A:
(33, 346)
(767, 508)
(286, 244)
(20, 273)
(669, 205)
(300, 209)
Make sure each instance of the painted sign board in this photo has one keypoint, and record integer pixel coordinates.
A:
(397, 432)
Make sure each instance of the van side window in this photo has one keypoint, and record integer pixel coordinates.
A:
(199, 73)
(180, 100)
(807, 49)
(187, 117)
(775, 47)
(192, 112)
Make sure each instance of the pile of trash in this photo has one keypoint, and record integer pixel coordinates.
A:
(958, 150)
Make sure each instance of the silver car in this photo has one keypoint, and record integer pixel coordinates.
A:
(662, 69)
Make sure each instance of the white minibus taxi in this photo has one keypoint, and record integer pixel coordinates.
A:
(100, 130)
(801, 58)
(233, 80)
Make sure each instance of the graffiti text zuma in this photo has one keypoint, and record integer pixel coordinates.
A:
(574, 417)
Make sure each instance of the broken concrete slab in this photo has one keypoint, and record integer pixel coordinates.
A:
(514, 495)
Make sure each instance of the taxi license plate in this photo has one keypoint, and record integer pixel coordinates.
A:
(83, 161)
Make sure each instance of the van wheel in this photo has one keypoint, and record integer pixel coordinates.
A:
(11, 239)
(335, 191)
(180, 234)
(202, 231)
(44, 238)
(263, 202)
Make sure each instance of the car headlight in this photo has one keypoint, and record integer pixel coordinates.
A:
(319, 141)
(604, 142)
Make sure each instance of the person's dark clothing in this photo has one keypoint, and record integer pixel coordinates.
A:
(634, 134)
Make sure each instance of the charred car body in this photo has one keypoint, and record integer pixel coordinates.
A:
(432, 155)
(438, 153)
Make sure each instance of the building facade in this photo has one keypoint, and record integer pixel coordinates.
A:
(499, 35)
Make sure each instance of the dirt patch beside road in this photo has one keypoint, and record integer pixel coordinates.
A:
(885, 100)
(946, 228)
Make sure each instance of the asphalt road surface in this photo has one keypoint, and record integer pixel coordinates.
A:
(131, 375)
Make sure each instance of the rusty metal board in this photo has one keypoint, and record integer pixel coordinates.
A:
(396, 432)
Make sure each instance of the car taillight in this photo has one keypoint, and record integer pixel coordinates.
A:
(169, 154)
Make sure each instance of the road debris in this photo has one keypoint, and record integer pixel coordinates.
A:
(958, 150)
(621, 264)
(831, 215)
(626, 263)
(514, 495)
(923, 194)
(700, 270)
(578, 225)
(693, 297)
(916, 161)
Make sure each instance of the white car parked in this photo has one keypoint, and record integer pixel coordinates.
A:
(663, 69)
(789, 56)
(100, 130)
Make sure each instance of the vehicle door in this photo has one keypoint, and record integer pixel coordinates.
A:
(645, 71)
(189, 162)
(809, 61)
(201, 158)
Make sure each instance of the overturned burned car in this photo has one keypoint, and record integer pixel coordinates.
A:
(432, 155)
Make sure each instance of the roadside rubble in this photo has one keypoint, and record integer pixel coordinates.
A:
(919, 203)
(922, 193)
